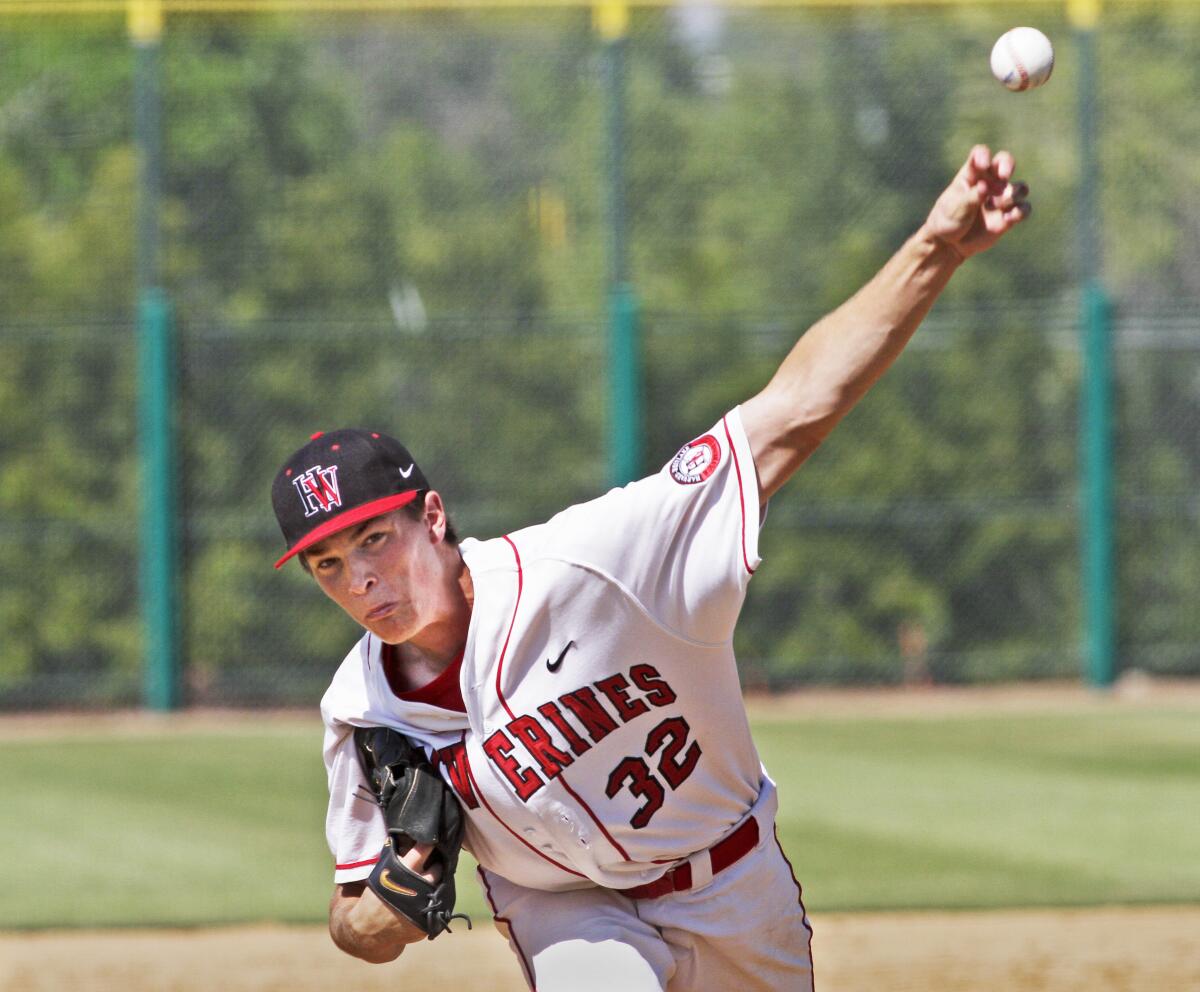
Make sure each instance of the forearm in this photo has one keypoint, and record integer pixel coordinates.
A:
(841, 356)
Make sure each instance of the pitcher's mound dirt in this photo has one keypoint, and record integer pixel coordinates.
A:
(1153, 949)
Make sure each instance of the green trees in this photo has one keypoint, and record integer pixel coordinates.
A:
(399, 223)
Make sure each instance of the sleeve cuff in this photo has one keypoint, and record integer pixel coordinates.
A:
(353, 871)
(747, 481)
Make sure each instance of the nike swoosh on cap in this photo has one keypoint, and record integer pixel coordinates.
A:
(406, 474)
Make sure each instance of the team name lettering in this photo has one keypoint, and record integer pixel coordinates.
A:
(454, 758)
(616, 687)
(525, 780)
(588, 709)
(594, 720)
(646, 678)
(552, 713)
(538, 743)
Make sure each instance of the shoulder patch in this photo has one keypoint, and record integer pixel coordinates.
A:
(696, 461)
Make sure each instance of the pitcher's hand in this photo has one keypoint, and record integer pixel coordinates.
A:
(982, 203)
(379, 917)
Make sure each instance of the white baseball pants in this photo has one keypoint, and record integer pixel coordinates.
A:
(746, 930)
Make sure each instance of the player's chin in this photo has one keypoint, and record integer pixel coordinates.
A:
(391, 629)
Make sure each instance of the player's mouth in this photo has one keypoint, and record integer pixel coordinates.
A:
(381, 611)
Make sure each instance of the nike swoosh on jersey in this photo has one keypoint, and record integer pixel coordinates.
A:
(556, 664)
(385, 879)
(406, 474)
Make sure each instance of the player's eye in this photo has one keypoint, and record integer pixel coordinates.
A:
(374, 537)
(325, 564)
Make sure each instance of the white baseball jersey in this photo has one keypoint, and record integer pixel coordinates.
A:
(604, 736)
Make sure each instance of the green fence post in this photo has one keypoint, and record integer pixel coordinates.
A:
(1096, 448)
(624, 346)
(158, 550)
(1097, 485)
(158, 573)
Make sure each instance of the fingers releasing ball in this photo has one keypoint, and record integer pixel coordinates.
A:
(1022, 58)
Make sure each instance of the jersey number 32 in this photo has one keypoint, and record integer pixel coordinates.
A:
(671, 736)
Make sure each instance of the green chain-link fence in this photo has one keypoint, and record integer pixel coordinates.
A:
(398, 221)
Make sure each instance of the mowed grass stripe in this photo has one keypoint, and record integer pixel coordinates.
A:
(173, 829)
(987, 810)
(991, 811)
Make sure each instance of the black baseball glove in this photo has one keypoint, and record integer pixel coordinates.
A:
(419, 808)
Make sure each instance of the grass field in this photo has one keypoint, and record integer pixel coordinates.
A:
(188, 822)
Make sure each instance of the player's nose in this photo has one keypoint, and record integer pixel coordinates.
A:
(362, 578)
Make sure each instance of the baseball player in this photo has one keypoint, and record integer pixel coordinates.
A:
(574, 683)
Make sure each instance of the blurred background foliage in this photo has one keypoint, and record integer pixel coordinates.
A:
(398, 222)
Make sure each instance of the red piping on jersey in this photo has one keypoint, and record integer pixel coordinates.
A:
(487, 891)
(804, 918)
(356, 864)
(587, 809)
(512, 623)
(504, 702)
(487, 806)
(741, 494)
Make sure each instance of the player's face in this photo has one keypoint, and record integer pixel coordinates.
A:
(386, 573)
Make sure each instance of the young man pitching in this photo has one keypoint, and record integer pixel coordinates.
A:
(574, 683)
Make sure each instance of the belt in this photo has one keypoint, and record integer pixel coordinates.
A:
(721, 855)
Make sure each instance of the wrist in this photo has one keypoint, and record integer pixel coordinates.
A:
(939, 248)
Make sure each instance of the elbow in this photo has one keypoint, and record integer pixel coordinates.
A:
(816, 410)
(804, 413)
(808, 423)
(785, 427)
(374, 947)
(364, 947)
(377, 955)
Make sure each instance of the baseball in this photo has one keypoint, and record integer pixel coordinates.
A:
(1022, 59)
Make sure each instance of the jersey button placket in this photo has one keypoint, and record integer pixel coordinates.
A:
(577, 831)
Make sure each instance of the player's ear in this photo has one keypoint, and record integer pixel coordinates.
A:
(434, 516)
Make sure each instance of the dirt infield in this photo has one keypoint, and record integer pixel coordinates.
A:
(1094, 950)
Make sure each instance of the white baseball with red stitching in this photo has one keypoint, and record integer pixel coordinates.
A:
(1022, 59)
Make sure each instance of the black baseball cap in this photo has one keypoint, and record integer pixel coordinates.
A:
(340, 479)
